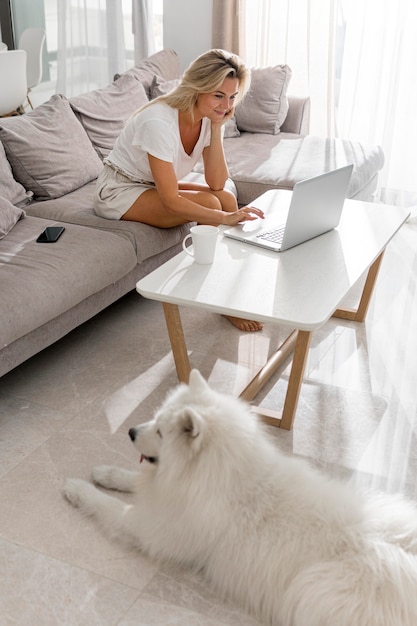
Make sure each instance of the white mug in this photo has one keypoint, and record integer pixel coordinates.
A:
(204, 240)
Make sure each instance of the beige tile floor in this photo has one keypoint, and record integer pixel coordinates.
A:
(71, 406)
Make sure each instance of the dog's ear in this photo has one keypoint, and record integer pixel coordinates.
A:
(197, 382)
(191, 423)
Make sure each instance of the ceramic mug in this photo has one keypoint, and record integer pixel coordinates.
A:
(204, 240)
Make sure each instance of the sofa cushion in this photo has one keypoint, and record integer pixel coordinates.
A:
(41, 282)
(104, 112)
(9, 216)
(265, 162)
(9, 187)
(77, 208)
(259, 162)
(48, 149)
(265, 106)
(164, 63)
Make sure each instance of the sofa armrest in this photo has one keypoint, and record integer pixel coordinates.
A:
(298, 116)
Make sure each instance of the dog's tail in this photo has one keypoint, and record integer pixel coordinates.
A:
(376, 588)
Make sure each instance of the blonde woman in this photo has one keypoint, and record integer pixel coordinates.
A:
(161, 143)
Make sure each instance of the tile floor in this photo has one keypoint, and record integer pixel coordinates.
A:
(71, 406)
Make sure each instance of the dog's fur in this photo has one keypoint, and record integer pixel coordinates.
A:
(268, 531)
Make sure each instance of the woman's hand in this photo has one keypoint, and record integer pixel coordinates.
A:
(228, 115)
(245, 214)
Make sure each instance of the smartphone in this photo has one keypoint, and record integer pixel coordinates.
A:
(50, 234)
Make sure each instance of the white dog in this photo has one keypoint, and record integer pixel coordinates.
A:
(270, 532)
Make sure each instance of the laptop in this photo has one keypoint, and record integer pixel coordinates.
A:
(315, 208)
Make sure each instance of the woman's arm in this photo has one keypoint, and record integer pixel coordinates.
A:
(215, 168)
(168, 192)
(174, 203)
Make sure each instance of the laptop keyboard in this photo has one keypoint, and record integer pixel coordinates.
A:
(275, 235)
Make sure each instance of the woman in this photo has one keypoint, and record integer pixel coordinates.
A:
(162, 142)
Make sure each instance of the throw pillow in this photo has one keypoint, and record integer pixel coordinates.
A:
(265, 106)
(48, 149)
(160, 86)
(164, 63)
(104, 112)
(230, 129)
(9, 216)
(9, 187)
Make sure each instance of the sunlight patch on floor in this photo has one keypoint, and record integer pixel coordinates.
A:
(125, 400)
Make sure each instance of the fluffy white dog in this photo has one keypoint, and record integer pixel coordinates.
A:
(270, 532)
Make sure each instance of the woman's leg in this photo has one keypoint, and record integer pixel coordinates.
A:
(249, 326)
(149, 209)
(226, 198)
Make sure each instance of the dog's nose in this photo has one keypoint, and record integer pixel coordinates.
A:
(132, 433)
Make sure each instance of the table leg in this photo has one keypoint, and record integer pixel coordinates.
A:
(176, 337)
(270, 367)
(295, 381)
(299, 342)
(359, 314)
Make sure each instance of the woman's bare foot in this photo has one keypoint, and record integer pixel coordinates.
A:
(248, 326)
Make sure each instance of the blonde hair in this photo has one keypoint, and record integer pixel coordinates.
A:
(205, 75)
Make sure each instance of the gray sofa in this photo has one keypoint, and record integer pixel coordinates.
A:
(49, 160)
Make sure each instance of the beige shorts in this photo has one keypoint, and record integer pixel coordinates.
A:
(115, 193)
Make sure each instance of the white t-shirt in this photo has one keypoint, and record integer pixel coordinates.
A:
(155, 131)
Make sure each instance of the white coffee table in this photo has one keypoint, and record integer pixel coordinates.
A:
(300, 288)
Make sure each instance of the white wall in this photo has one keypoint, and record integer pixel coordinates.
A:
(187, 28)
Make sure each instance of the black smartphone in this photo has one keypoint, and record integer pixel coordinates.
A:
(50, 234)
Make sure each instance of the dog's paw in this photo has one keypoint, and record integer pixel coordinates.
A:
(116, 478)
(104, 476)
(77, 492)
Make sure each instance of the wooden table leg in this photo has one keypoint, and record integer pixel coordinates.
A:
(274, 362)
(177, 339)
(296, 378)
(299, 342)
(359, 314)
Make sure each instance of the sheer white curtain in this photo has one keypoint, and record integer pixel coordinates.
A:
(357, 61)
(97, 39)
(143, 29)
(302, 34)
(378, 89)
